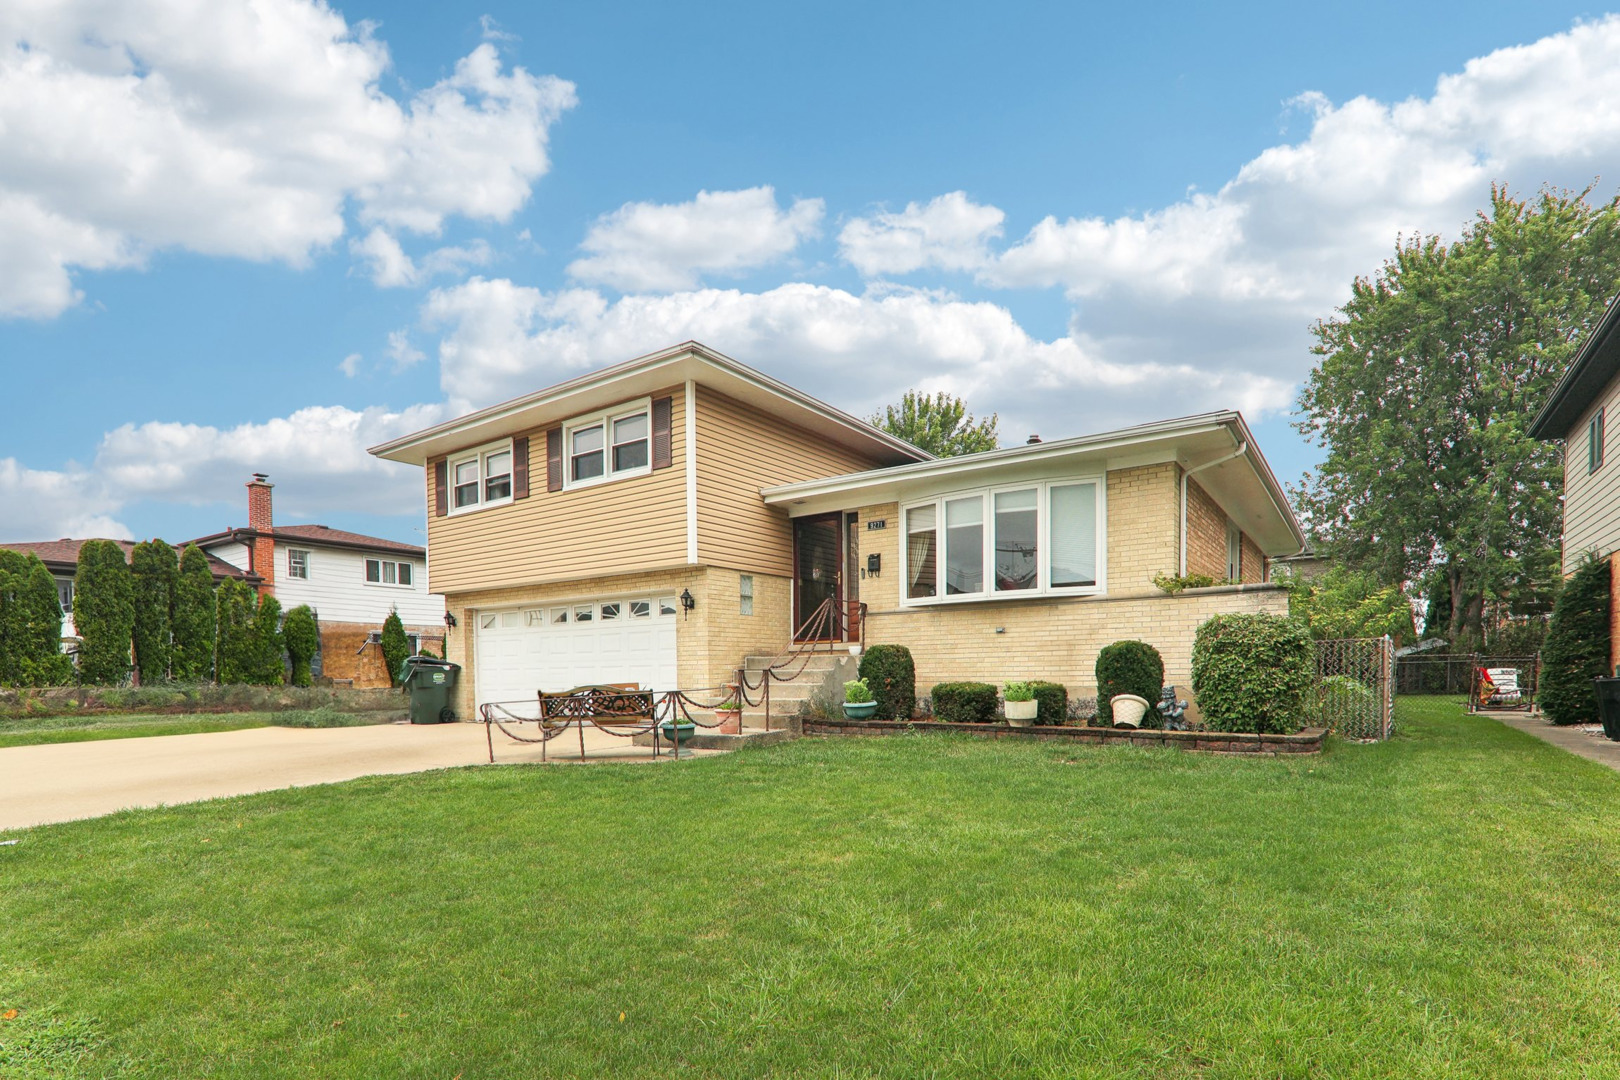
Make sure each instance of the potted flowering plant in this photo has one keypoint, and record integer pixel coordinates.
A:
(729, 713)
(1021, 705)
(858, 701)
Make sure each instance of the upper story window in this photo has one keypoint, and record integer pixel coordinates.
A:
(297, 564)
(1594, 442)
(481, 477)
(388, 572)
(614, 445)
(64, 593)
(1024, 539)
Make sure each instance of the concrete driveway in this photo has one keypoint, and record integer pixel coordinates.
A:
(65, 781)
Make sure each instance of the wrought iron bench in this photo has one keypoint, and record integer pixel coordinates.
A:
(621, 709)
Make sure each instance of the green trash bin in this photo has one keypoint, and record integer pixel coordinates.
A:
(430, 682)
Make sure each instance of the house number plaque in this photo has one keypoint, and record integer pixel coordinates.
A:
(874, 526)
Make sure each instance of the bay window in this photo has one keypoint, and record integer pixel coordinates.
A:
(1043, 538)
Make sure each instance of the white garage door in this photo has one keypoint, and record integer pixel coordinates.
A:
(555, 648)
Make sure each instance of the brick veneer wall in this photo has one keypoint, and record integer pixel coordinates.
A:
(345, 654)
(1206, 533)
(1144, 523)
(1254, 562)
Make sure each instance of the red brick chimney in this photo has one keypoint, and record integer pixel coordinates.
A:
(260, 520)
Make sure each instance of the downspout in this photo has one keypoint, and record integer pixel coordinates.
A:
(1242, 449)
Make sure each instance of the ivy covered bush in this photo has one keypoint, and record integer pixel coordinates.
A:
(1053, 699)
(965, 702)
(103, 612)
(1577, 646)
(1254, 673)
(892, 675)
(1127, 667)
(30, 624)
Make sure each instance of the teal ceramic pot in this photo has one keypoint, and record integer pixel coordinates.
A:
(861, 711)
(679, 734)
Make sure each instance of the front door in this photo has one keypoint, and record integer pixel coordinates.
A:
(819, 558)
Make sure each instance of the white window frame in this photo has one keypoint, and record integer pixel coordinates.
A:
(1043, 527)
(606, 418)
(291, 572)
(480, 455)
(365, 576)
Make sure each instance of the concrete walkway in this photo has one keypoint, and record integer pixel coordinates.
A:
(66, 781)
(1588, 742)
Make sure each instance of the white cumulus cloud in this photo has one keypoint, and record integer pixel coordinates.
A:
(951, 232)
(236, 128)
(660, 247)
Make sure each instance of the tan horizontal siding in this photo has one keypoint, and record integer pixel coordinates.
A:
(1592, 500)
(617, 527)
(740, 451)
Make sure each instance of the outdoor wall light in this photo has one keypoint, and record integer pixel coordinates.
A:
(688, 601)
(449, 620)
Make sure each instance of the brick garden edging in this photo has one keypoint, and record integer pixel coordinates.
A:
(1308, 741)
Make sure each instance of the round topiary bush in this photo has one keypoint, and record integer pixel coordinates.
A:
(1054, 702)
(1254, 673)
(1577, 647)
(892, 676)
(965, 702)
(1127, 667)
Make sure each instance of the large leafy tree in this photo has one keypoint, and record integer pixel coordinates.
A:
(1346, 603)
(1428, 380)
(103, 612)
(156, 571)
(192, 618)
(940, 424)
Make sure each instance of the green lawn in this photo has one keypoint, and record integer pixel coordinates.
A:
(1440, 905)
(32, 731)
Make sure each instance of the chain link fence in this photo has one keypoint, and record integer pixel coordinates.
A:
(1355, 681)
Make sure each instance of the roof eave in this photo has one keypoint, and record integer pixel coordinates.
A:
(1559, 413)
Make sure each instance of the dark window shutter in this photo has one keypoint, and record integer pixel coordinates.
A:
(663, 421)
(554, 475)
(441, 489)
(520, 467)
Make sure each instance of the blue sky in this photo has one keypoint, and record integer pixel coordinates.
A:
(265, 241)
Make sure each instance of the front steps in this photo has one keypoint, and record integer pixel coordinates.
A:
(820, 674)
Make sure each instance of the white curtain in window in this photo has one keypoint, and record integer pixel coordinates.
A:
(919, 544)
(1074, 535)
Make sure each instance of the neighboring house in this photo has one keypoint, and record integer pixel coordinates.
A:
(1307, 565)
(1578, 412)
(351, 581)
(61, 558)
(657, 521)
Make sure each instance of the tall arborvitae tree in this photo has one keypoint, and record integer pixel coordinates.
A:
(30, 624)
(1428, 381)
(269, 651)
(303, 637)
(1577, 646)
(156, 573)
(236, 645)
(191, 619)
(103, 612)
(395, 645)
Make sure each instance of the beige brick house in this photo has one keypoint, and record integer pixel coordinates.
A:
(657, 521)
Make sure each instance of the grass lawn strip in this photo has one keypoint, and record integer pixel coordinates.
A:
(33, 731)
(1438, 905)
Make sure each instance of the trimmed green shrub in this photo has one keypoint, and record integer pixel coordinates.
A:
(103, 612)
(156, 571)
(30, 624)
(269, 651)
(1254, 673)
(237, 646)
(892, 675)
(1577, 648)
(303, 636)
(395, 645)
(191, 622)
(1054, 702)
(965, 702)
(1127, 667)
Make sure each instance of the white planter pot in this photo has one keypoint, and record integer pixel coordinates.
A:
(1128, 710)
(854, 650)
(1022, 713)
